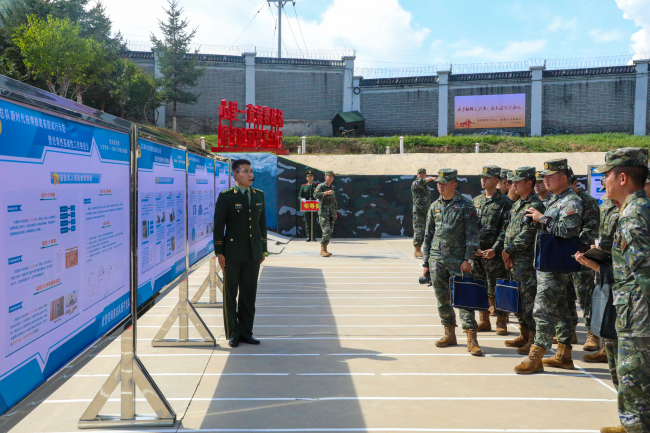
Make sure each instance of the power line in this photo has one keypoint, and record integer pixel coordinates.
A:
(292, 34)
(299, 27)
(276, 27)
(251, 22)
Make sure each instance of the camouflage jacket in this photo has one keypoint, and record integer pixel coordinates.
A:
(608, 220)
(563, 215)
(421, 196)
(326, 203)
(307, 192)
(590, 221)
(519, 239)
(451, 235)
(631, 259)
(493, 214)
(548, 198)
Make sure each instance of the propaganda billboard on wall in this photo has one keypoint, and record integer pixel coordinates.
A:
(490, 111)
(65, 256)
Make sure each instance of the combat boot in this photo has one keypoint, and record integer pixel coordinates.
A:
(562, 358)
(484, 321)
(493, 306)
(502, 327)
(323, 251)
(472, 343)
(619, 429)
(600, 356)
(525, 349)
(521, 339)
(418, 252)
(533, 363)
(592, 344)
(450, 337)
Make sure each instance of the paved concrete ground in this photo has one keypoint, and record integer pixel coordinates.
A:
(347, 345)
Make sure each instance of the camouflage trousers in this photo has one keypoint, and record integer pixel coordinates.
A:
(611, 348)
(419, 224)
(584, 283)
(551, 309)
(440, 275)
(326, 226)
(525, 275)
(571, 298)
(633, 369)
(489, 271)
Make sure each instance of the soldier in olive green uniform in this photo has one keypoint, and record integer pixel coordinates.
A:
(519, 255)
(241, 213)
(307, 192)
(327, 208)
(421, 201)
(451, 239)
(487, 264)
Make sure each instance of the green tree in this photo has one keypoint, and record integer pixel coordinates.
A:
(136, 92)
(179, 71)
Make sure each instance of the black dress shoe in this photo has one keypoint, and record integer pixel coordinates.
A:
(249, 340)
(233, 342)
(308, 240)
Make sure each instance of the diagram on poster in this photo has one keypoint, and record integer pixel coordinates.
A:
(221, 174)
(200, 187)
(161, 216)
(64, 261)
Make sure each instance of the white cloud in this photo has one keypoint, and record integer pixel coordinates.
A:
(513, 51)
(599, 35)
(560, 24)
(639, 12)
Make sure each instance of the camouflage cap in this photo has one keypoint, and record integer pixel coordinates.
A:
(490, 171)
(553, 166)
(309, 173)
(422, 170)
(329, 173)
(504, 173)
(446, 175)
(522, 173)
(539, 176)
(624, 157)
(572, 176)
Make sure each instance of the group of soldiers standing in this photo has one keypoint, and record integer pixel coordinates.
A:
(327, 208)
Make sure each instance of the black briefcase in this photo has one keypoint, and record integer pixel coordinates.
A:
(603, 312)
(553, 253)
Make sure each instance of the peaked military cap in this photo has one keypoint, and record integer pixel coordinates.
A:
(554, 165)
(504, 173)
(539, 176)
(624, 157)
(446, 175)
(490, 171)
(522, 173)
(422, 170)
(329, 173)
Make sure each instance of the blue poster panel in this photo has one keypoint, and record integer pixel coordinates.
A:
(161, 217)
(65, 256)
(221, 174)
(200, 207)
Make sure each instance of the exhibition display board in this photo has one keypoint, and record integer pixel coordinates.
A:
(200, 209)
(221, 175)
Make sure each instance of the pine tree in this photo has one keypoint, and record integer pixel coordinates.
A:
(178, 69)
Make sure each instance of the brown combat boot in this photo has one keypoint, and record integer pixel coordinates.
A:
(521, 339)
(484, 321)
(418, 252)
(592, 344)
(525, 349)
(493, 306)
(323, 251)
(502, 327)
(562, 358)
(619, 429)
(472, 343)
(450, 337)
(533, 363)
(600, 356)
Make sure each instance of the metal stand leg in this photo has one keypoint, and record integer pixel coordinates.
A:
(130, 373)
(312, 225)
(213, 280)
(182, 311)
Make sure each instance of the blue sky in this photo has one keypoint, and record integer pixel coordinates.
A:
(406, 33)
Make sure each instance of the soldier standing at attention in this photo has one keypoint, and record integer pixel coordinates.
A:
(562, 218)
(421, 202)
(519, 255)
(241, 212)
(625, 174)
(326, 210)
(451, 239)
(540, 189)
(503, 181)
(307, 192)
(493, 209)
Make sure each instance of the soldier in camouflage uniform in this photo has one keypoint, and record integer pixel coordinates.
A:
(519, 254)
(512, 195)
(626, 170)
(421, 202)
(307, 192)
(327, 208)
(540, 189)
(451, 239)
(503, 181)
(487, 264)
(562, 218)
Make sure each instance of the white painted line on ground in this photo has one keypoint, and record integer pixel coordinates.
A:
(191, 374)
(351, 429)
(142, 355)
(347, 374)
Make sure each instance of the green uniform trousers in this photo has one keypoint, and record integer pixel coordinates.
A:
(239, 314)
(419, 224)
(525, 275)
(327, 221)
(489, 271)
(585, 283)
(633, 369)
(440, 275)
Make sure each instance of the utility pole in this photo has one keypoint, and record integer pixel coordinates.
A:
(280, 6)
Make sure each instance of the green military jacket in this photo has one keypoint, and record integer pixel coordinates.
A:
(451, 235)
(307, 192)
(608, 220)
(493, 214)
(563, 215)
(519, 240)
(590, 221)
(326, 203)
(631, 260)
(421, 196)
(240, 229)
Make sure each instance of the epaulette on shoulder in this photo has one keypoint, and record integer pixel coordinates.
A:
(227, 190)
(258, 190)
(304, 184)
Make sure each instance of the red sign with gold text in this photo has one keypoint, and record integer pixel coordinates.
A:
(309, 206)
